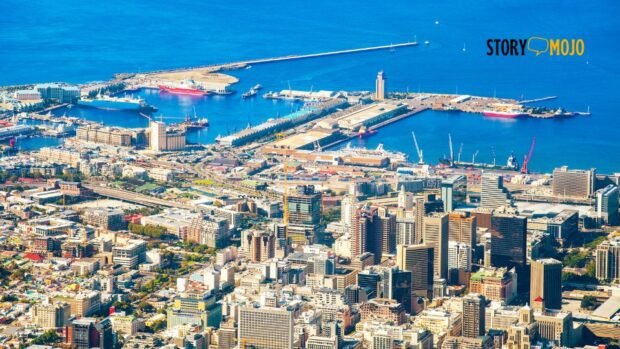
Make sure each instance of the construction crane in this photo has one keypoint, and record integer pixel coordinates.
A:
(473, 158)
(418, 150)
(528, 157)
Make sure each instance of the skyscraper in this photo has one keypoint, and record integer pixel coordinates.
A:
(459, 259)
(573, 183)
(258, 246)
(157, 138)
(385, 234)
(419, 219)
(453, 191)
(473, 315)
(508, 240)
(418, 259)
(546, 283)
(362, 224)
(303, 213)
(380, 86)
(397, 286)
(436, 236)
(265, 328)
(607, 205)
(493, 194)
(405, 231)
(462, 228)
(608, 260)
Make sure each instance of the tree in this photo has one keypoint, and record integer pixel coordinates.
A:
(589, 302)
(576, 259)
(48, 337)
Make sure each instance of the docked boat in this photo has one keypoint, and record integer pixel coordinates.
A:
(503, 110)
(502, 114)
(184, 88)
(365, 132)
(115, 103)
(271, 95)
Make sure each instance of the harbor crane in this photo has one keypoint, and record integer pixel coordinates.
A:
(418, 150)
(528, 157)
(458, 157)
(473, 158)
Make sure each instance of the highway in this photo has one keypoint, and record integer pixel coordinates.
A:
(129, 196)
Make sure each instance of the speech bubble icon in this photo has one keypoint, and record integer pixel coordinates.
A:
(538, 45)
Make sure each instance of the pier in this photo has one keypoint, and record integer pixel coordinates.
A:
(538, 100)
(242, 64)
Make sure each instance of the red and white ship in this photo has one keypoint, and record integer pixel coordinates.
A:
(184, 88)
(501, 114)
(507, 111)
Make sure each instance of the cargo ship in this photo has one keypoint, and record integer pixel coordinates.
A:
(503, 110)
(511, 165)
(184, 88)
(115, 103)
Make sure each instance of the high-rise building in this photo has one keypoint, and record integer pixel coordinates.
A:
(573, 183)
(160, 139)
(303, 213)
(87, 333)
(453, 191)
(405, 231)
(608, 260)
(474, 306)
(459, 260)
(546, 283)
(419, 219)
(607, 205)
(493, 194)
(258, 246)
(380, 86)
(418, 259)
(405, 199)
(387, 282)
(51, 315)
(384, 234)
(397, 286)
(436, 236)
(347, 210)
(462, 228)
(265, 328)
(508, 240)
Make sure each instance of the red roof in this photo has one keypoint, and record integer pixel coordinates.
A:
(33, 256)
(538, 299)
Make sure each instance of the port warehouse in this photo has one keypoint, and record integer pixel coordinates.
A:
(303, 115)
(366, 115)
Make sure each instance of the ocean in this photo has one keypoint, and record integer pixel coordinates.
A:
(78, 41)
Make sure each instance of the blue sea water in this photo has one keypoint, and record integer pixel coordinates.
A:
(78, 41)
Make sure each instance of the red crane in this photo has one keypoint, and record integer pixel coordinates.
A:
(528, 157)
